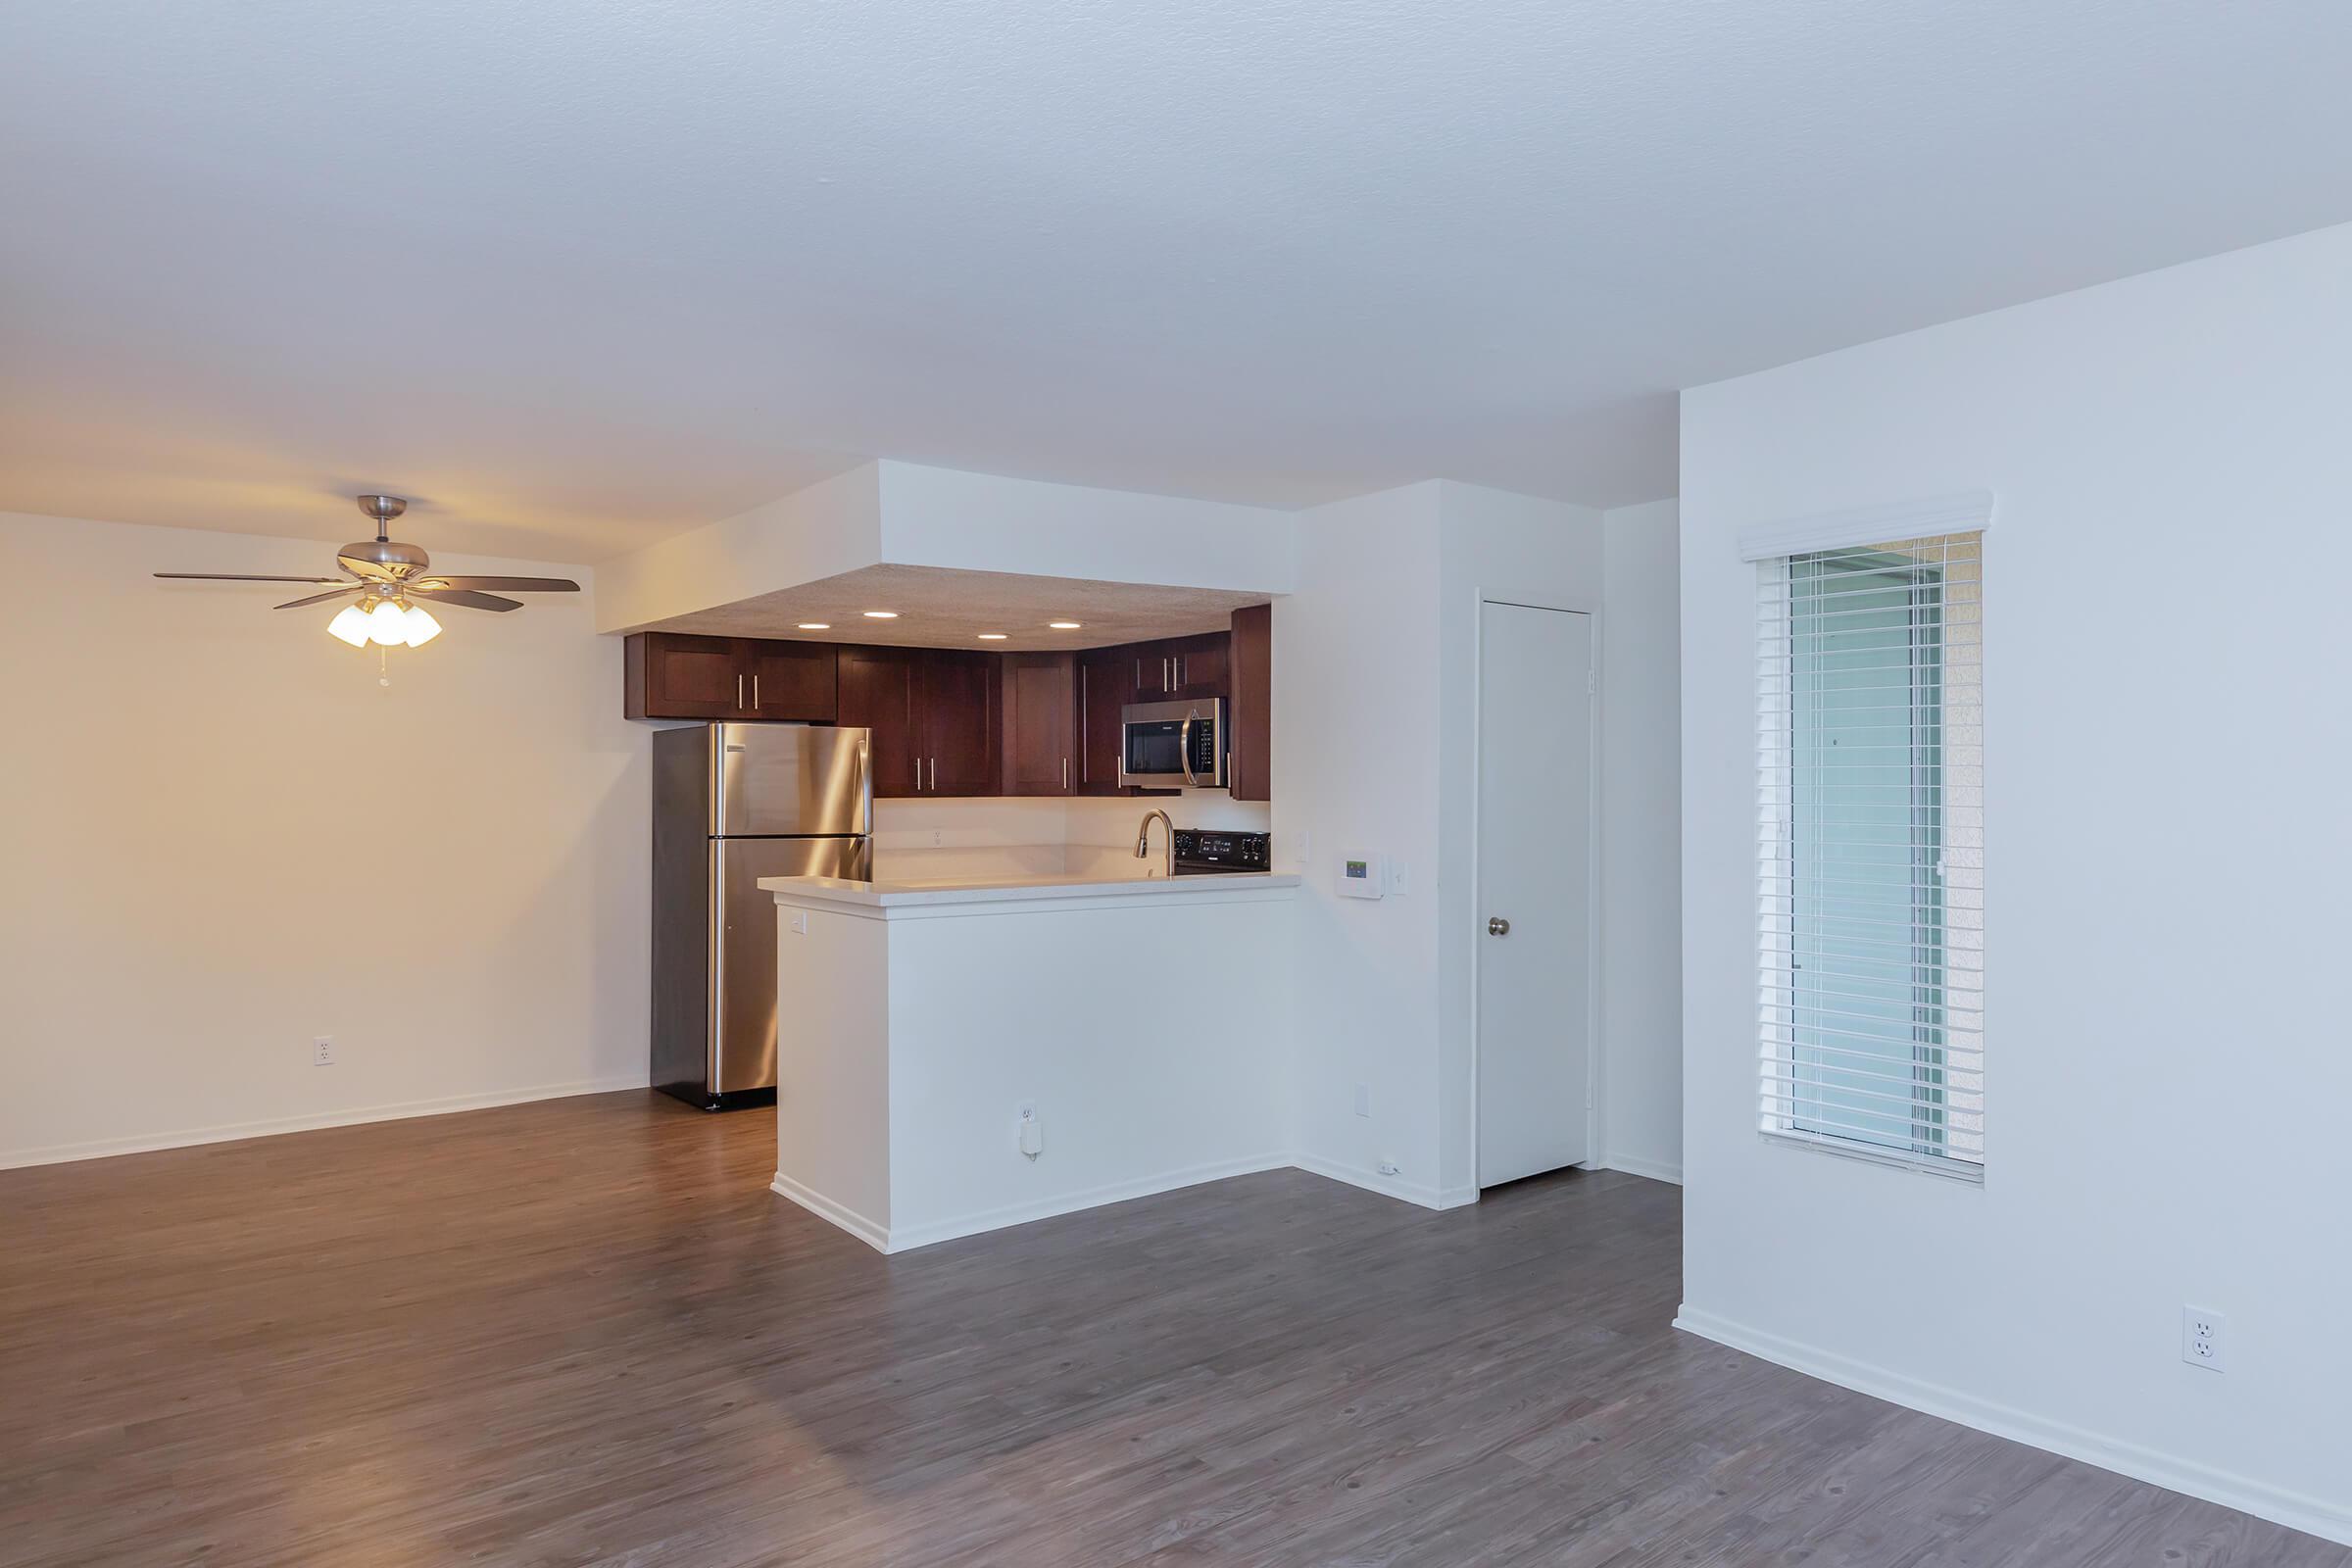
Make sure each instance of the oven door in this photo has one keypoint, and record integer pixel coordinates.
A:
(1173, 745)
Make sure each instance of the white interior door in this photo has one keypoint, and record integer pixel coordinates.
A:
(1535, 890)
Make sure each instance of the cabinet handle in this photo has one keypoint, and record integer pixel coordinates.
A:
(755, 690)
(918, 772)
(934, 772)
(1065, 774)
(1179, 674)
(739, 691)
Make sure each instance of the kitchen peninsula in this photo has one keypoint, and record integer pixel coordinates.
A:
(1137, 1019)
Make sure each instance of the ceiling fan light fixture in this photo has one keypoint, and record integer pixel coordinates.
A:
(351, 626)
(386, 626)
(419, 627)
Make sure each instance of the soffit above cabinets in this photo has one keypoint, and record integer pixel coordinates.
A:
(942, 607)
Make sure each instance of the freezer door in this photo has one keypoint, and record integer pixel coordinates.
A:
(743, 975)
(788, 778)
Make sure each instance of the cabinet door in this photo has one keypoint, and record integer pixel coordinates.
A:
(1249, 708)
(1197, 665)
(876, 687)
(676, 676)
(1038, 734)
(791, 680)
(1105, 685)
(956, 722)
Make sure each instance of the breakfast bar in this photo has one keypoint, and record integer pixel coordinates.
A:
(959, 1056)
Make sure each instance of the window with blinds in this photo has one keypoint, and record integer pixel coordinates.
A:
(1871, 853)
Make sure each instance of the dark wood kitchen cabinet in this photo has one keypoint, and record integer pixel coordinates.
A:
(1105, 685)
(1039, 735)
(1249, 706)
(876, 692)
(955, 710)
(1176, 667)
(791, 680)
(678, 675)
(932, 715)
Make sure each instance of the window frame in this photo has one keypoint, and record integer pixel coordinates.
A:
(1782, 892)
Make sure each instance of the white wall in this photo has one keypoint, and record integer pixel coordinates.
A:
(223, 837)
(1491, 545)
(905, 514)
(1355, 679)
(1640, 852)
(822, 530)
(1379, 643)
(1037, 836)
(2166, 747)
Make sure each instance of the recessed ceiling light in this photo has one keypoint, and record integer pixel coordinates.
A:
(992, 636)
(881, 615)
(816, 625)
(1063, 625)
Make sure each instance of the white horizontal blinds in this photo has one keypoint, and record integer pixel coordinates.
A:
(1871, 847)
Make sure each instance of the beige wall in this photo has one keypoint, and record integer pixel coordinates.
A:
(219, 837)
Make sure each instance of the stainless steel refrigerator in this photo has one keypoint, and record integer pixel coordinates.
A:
(732, 804)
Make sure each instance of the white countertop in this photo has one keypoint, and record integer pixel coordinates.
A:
(1013, 889)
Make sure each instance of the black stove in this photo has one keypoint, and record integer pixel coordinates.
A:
(1201, 852)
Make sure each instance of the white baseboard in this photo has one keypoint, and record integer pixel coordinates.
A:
(1657, 1170)
(2293, 1509)
(229, 1132)
(842, 1215)
(905, 1237)
(1397, 1186)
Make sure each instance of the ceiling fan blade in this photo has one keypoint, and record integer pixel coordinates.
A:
(320, 599)
(240, 577)
(465, 597)
(502, 585)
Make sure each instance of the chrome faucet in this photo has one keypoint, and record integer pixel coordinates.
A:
(1143, 839)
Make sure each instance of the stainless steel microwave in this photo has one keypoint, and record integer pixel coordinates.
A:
(1173, 745)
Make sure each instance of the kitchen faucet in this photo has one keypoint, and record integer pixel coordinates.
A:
(1143, 839)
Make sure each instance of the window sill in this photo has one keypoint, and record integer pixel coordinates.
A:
(1951, 1170)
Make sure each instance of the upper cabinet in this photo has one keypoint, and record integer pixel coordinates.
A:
(1041, 728)
(956, 704)
(933, 717)
(1179, 666)
(1105, 685)
(673, 675)
(946, 722)
(1250, 715)
(877, 693)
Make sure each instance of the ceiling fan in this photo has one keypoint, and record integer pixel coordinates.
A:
(386, 582)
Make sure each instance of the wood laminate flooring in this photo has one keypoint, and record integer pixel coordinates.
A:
(583, 1332)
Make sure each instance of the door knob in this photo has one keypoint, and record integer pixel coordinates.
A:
(1497, 926)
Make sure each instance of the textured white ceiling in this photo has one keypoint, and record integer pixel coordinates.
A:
(577, 273)
(940, 608)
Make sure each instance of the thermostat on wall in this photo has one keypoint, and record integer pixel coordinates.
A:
(1363, 874)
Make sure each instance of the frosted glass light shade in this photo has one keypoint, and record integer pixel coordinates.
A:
(419, 627)
(386, 624)
(351, 626)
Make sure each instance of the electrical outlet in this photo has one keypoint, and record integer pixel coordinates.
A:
(800, 922)
(1387, 1167)
(322, 1051)
(1363, 1099)
(1032, 1131)
(2204, 1341)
